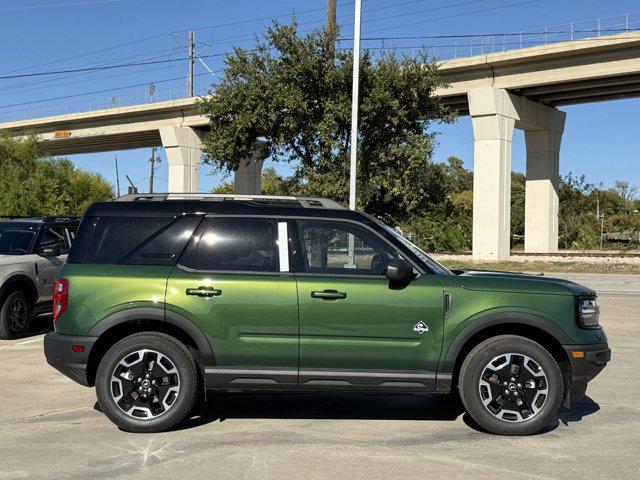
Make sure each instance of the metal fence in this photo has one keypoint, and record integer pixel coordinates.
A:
(103, 103)
(585, 29)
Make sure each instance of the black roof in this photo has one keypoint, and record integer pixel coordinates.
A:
(156, 206)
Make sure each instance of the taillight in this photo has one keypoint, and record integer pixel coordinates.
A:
(60, 297)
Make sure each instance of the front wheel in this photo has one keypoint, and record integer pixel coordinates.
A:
(511, 385)
(147, 382)
(15, 315)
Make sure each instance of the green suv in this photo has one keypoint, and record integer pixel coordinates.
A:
(166, 297)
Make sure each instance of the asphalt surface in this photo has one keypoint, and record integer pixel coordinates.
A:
(50, 427)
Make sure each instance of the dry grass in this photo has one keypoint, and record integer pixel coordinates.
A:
(542, 266)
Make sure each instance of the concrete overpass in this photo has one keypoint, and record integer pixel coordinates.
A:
(175, 125)
(500, 91)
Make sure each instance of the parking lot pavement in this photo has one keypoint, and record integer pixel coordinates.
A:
(50, 429)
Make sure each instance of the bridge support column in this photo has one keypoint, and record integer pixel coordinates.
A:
(183, 148)
(493, 125)
(495, 113)
(248, 176)
(541, 193)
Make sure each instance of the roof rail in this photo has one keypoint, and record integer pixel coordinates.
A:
(272, 200)
(62, 218)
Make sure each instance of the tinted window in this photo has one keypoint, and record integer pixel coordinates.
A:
(15, 240)
(81, 238)
(240, 244)
(54, 237)
(165, 246)
(114, 238)
(327, 246)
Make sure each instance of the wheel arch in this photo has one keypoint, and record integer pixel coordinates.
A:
(535, 328)
(19, 282)
(119, 325)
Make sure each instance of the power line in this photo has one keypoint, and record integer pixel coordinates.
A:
(447, 17)
(101, 68)
(95, 92)
(160, 35)
(4, 89)
(59, 5)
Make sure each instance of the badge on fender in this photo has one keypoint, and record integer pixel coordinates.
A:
(420, 327)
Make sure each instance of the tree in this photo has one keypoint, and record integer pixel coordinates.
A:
(32, 184)
(627, 193)
(286, 94)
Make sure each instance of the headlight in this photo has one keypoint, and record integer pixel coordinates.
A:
(588, 313)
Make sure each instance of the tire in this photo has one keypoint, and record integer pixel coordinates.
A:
(122, 382)
(15, 315)
(507, 403)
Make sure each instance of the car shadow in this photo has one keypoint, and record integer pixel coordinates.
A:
(323, 406)
(40, 324)
(342, 406)
(579, 409)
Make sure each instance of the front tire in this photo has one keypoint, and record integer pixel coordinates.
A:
(147, 382)
(15, 315)
(511, 385)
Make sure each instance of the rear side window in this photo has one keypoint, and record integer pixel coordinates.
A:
(237, 244)
(135, 240)
(80, 239)
(164, 246)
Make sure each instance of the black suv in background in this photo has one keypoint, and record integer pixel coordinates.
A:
(32, 249)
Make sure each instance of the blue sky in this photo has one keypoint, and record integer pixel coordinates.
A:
(600, 140)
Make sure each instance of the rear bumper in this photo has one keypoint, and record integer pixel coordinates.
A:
(586, 366)
(59, 353)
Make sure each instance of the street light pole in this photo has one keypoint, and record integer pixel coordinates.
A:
(354, 105)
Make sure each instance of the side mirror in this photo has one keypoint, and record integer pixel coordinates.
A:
(51, 251)
(400, 271)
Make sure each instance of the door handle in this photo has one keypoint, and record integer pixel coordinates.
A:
(329, 295)
(204, 292)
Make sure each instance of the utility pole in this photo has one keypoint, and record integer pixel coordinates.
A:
(331, 27)
(117, 176)
(153, 160)
(192, 61)
(354, 105)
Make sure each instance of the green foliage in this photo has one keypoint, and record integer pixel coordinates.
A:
(289, 94)
(33, 185)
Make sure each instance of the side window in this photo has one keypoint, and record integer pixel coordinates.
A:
(343, 248)
(165, 246)
(114, 238)
(237, 244)
(54, 237)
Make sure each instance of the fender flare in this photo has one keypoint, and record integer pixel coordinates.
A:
(161, 315)
(501, 318)
(22, 278)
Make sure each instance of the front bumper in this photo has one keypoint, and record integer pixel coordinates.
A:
(587, 361)
(61, 356)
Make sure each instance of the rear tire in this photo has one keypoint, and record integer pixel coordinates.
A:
(15, 315)
(147, 382)
(511, 385)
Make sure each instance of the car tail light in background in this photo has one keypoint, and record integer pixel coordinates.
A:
(60, 297)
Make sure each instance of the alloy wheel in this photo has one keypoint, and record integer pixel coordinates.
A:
(18, 314)
(145, 384)
(513, 387)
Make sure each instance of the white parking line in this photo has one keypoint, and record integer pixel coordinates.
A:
(33, 340)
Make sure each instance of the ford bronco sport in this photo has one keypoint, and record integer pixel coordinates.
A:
(164, 296)
(31, 252)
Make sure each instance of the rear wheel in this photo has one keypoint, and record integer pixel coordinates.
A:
(147, 382)
(511, 385)
(15, 315)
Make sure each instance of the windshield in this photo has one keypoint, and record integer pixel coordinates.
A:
(417, 251)
(15, 239)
